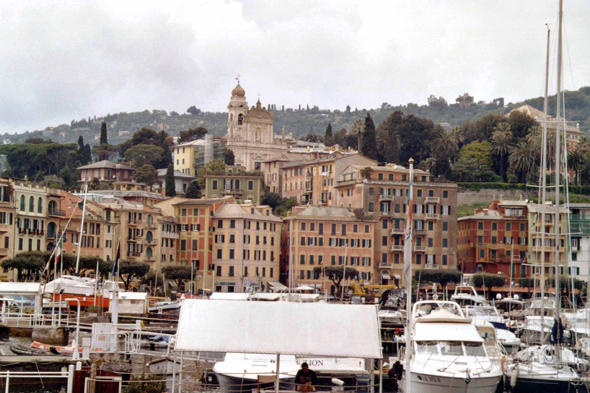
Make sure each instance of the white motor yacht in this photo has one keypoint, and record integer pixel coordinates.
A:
(466, 295)
(448, 353)
(242, 372)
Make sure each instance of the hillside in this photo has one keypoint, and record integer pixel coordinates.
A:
(299, 122)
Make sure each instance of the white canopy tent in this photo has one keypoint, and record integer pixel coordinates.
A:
(304, 329)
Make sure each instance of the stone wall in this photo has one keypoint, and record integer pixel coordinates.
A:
(469, 197)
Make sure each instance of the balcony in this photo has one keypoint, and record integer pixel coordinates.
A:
(398, 231)
(432, 200)
(431, 266)
(397, 247)
(172, 235)
(420, 248)
(386, 214)
(134, 222)
(231, 191)
(432, 216)
(5, 199)
(385, 265)
(385, 197)
(133, 254)
(419, 232)
(56, 212)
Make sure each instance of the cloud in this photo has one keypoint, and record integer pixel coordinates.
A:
(71, 59)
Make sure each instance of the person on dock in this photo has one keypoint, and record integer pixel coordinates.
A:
(306, 379)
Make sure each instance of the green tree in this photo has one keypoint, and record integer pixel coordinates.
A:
(442, 277)
(520, 124)
(528, 283)
(129, 270)
(336, 274)
(192, 134)
(177, 273)
(522, 160)
(215, 166)
(501, 142)
(193, 190)
(104, 151)
(26, 268)
(228, 157)
(474, 163)
(146, 174)
(272, 199)
(140, 155)
(170, 183)
(488, 280)
(104, 139)
(329, 137)
(144, 136)
(285, 206)
(193, 110)
(368, 145)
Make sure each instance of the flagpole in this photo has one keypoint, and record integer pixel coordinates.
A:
(407, 276)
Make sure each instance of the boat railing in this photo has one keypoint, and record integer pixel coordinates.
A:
(30, 320)
(67, 374)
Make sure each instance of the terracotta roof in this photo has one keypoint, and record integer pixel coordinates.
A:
(324, 212)
(106, 164)
(234, 210)
(201, 201)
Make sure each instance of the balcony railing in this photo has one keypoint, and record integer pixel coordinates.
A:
(397, 231)
(385, 197)
(420, 248)
(419, 232)
(432, 216)
(384, 265)
(431, 266)
(173, 235)
(133, 254)
(386, 214)
(397, 248)
(56, 212)
(432, 200)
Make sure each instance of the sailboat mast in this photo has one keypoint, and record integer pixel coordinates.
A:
(557, 177)
(544, 188)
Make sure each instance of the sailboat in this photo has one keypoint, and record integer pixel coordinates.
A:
(542, 368)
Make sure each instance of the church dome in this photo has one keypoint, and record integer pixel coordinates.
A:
(238, 91)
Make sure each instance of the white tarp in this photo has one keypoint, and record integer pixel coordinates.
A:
(304, 329)
(277, 286)
(19, 288)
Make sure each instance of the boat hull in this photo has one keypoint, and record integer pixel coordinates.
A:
(547, 385)
(231, 384)
(85, 301)
(424, 383)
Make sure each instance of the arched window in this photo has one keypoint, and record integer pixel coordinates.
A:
(148, 253)
(52, 207)
(149, 237)
(240, 119)
(22, 203)
(40, 205)
(31, 204)
(51, 230)
(150, 219)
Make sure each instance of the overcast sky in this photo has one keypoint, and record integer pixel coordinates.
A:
(64, 60)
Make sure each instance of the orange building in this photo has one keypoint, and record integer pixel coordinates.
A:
(493, 239)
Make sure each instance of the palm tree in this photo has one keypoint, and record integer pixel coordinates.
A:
(447, 146)
(522, 159)
(501, 139)
(575, 160)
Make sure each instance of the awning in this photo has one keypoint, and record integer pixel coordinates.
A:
(304, 329)
(397, 276)
(386, 276)
(277, 286)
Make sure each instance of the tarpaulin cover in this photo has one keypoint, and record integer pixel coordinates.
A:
(309, 329)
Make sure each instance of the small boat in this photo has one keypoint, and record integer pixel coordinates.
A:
(166, 306)
(20, 349)
(466, 295)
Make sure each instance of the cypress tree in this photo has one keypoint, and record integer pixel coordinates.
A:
(104, 139)
(229, 157)
(329, 138)
(368, 146)
(193, 190)
(170, 186)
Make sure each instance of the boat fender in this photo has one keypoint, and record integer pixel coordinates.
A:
(514, 376)
(504, 361)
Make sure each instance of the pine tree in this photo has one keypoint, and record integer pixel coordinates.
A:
(104, 139)
(329, 138)
(170, 184)
(229, 157)
(193, 190)
(368, 146)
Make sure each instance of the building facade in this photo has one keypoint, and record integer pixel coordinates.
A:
(319, 236)
(494, 240)
(381, 193)
(236, 182)
(105, 171)
(247, 247)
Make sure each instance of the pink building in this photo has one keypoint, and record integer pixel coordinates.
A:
(105, 171)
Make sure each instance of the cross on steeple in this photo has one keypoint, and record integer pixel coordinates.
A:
(238, 78)
(258, 96)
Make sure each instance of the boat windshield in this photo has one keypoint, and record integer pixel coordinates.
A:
(450, 348)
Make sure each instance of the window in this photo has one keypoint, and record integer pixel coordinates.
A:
(445, 226)
(522, 227)
(371, 207)
(40, 205)
(445, 242)
(220, 224)
(430, 242)
(343, 229)
(219, 256)
(384, 241)
(383, 225)
(183, 245)
(149, 236)
(303, 226)
(250, 185)
(22, 204)
(494, 226)
(508, 226)
(232, 223)
(494, 240)
(195, 244)
(31, 204)
(149, 253)
(214, 184)
(419, 193)
(302, 259)
(445, 194)
(366, 229)
(482, 254)
(231, 271)
(480, 225)
(231, 254)
(321, 228)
